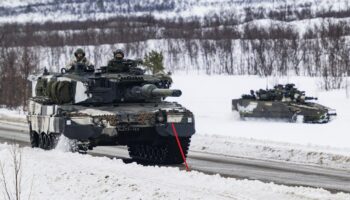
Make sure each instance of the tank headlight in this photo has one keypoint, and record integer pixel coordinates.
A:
(189, 120)
(160, 118)
(68, 122)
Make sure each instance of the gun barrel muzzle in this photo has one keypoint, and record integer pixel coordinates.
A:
(151, 90)
(166, 93)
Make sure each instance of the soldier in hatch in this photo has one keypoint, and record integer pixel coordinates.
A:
(278, 92)
(262, 95)
(292, 93)
(250, 96)
(119, 65)
(80, 60)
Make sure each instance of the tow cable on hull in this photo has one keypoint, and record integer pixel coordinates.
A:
(179, 145)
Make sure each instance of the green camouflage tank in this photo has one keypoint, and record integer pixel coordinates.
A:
(283, 102)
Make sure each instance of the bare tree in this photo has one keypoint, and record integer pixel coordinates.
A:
(11, 175)
(27, 65)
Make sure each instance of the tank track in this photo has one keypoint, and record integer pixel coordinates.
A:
(49, 142)
(166, 153)
(43, 141)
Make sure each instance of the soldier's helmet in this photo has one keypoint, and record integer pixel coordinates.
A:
(118, 54)
(79, 51)
(290, 86)
(279, 86)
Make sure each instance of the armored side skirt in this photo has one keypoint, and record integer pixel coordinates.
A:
(110, 127)
(126, 134)
(261, 109)
(307, 112)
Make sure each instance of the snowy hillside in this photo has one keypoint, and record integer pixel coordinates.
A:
(219, 37)
(39, 10)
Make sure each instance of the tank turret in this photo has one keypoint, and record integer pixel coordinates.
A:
(81, 86)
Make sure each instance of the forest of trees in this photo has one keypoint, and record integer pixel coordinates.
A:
(16, 66)
(215, 45)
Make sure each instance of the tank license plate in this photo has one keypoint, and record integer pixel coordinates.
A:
(123, 129)
(174, 118)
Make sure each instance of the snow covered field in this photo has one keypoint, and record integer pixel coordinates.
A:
(61, 175)
(209, 97)
(219, 130)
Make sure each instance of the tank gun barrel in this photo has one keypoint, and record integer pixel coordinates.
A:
(311, 98)
(166, 93)
(150, 91)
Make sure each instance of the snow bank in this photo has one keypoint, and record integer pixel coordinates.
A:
(329, 157)
(58, 175)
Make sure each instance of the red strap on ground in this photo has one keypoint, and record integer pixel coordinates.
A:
(179, 145)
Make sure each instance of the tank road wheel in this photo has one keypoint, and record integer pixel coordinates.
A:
(47, 141)
(54, 140)
(166, 153)
(296, 118)
(34, 139)
(41, 140)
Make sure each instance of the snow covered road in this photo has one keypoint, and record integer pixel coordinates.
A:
(230, 166)
(61, 175)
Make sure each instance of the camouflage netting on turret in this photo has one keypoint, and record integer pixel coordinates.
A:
(59, 92)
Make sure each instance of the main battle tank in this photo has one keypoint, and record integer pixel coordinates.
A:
(104, 108)
(284, 102)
